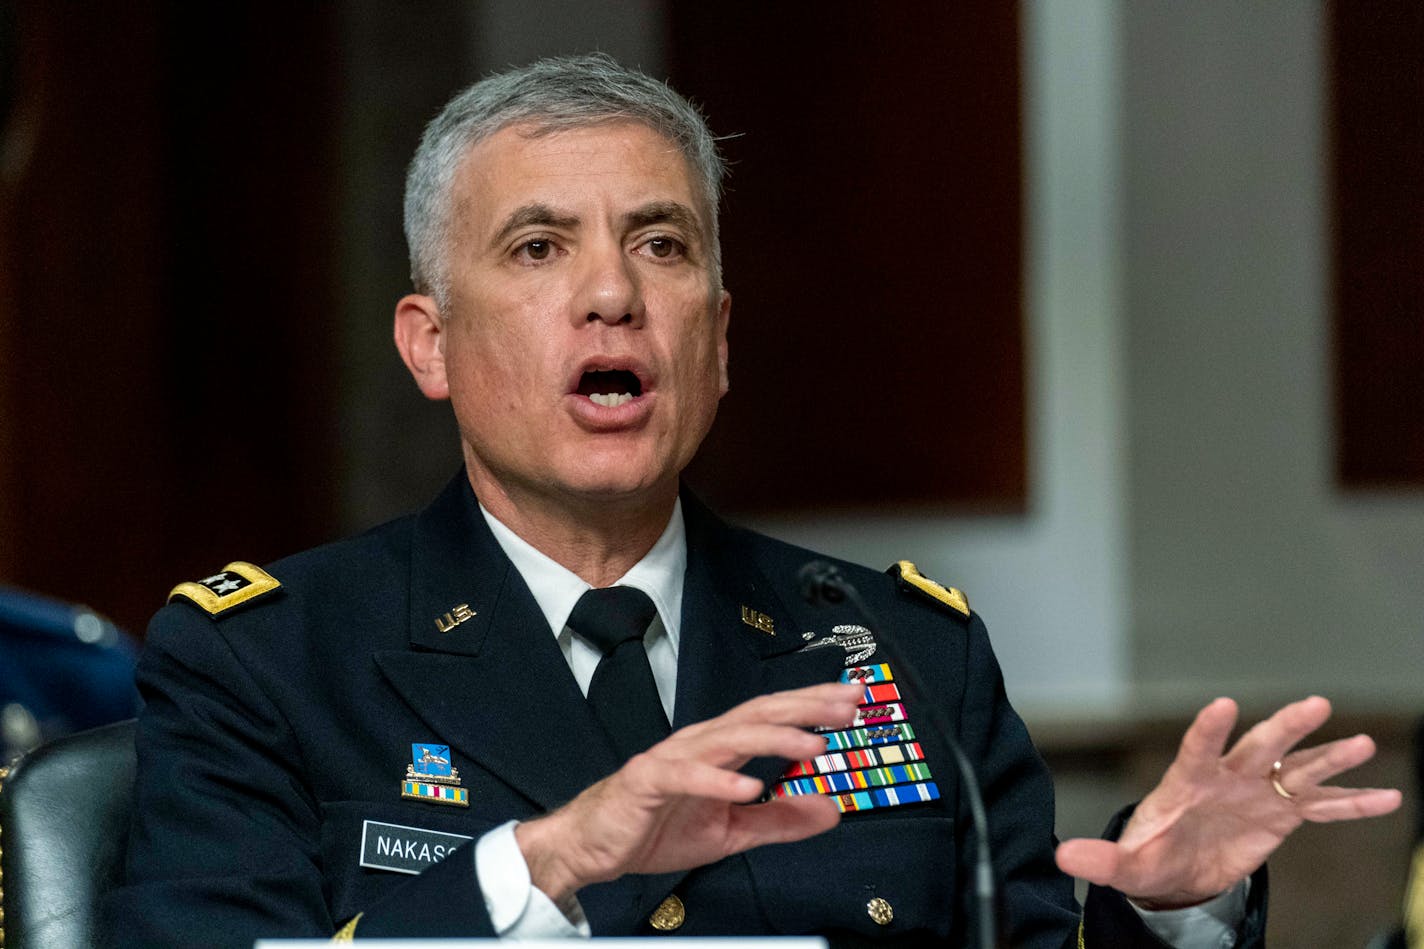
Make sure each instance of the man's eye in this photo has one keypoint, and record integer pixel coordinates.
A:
(536, 249)
(665, 247)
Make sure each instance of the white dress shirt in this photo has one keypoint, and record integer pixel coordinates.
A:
(519, 910)
(557, 590)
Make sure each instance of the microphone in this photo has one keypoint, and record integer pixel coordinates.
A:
(822, 582)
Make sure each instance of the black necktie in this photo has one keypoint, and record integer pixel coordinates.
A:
(623, 694)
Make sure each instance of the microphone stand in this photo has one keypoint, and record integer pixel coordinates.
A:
(822, 581)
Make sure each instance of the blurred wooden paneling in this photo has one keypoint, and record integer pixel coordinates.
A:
(81, 215)
(1377, 128)
(872, 238)
(166, 324)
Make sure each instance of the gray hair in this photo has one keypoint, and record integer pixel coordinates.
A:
(551, 95)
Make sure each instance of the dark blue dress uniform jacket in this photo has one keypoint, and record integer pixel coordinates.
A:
(274, 731)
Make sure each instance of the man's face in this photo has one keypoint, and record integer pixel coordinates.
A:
(585, 338)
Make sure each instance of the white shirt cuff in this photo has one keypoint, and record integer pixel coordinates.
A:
(517, 908)
(1209, 925)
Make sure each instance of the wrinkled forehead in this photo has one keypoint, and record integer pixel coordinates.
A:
(521, 158)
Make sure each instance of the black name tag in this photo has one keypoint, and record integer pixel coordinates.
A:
(404, 849)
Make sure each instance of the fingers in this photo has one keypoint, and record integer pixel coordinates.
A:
(1268, 741)
(731, 746)
(1097, 861)
(770, 725)
(773, 726)
(828, 704)
(1205, 739)
(1305, 769)
(783, 820)
(1335, 804)
(691, 779)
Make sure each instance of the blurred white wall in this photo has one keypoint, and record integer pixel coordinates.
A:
(1185, 537)
(1250, 572)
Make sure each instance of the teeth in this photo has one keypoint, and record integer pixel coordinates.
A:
(612, 399)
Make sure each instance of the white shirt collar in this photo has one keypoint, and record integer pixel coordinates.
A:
(557, 589)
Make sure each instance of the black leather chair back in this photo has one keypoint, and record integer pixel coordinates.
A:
(64, 819)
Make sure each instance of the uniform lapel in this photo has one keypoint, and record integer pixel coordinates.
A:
(726, 657)
(494, 686)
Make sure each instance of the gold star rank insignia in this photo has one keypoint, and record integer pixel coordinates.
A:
(233, 585)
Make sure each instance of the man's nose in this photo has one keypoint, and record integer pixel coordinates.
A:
(610, 291)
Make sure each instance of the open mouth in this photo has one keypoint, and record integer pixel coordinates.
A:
(610, 387)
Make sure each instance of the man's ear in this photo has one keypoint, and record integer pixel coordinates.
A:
(418, 330)
(724, 315)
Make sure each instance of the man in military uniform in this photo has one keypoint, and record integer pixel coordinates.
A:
(566, 698)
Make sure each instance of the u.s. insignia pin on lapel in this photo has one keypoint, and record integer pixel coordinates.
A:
(458, 614)
(431, 778)
(758, 620)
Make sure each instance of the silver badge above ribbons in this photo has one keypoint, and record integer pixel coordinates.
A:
(857, 641)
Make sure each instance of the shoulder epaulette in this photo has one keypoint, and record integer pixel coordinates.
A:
(909, 578)
(347, 933)
(237, 583)
(1414, 899)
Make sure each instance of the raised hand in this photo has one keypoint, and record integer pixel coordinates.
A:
(678, 805)
(1217, 815)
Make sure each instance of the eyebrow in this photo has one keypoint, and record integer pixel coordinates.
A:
(539, 214)
(533, 215)
(665, 212)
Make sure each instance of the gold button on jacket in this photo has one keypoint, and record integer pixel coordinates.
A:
(669, 915)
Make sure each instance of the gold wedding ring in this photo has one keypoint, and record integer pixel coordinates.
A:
(1276, 782)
